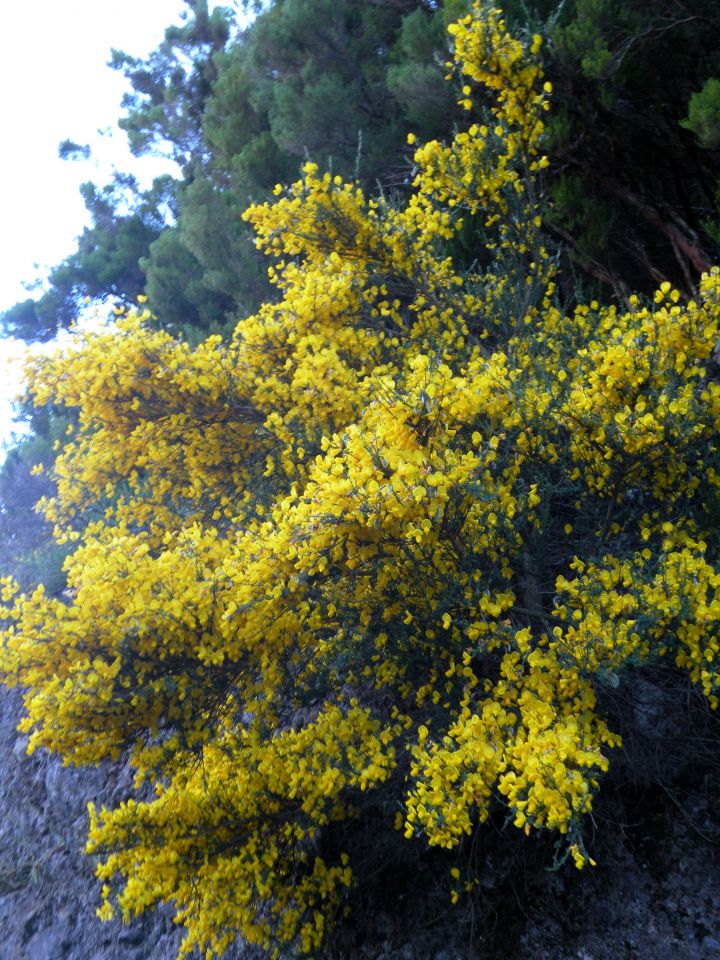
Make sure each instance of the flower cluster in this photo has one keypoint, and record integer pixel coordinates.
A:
(385, 546)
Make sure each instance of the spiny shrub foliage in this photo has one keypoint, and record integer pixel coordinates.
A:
(380, 552)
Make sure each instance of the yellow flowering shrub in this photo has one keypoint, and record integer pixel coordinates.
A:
(384, 549)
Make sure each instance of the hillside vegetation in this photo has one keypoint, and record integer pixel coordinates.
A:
(408, 551)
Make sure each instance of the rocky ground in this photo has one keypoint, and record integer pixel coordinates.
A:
(655, 894)
(48, 892)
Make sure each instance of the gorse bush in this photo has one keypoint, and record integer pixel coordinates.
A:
(382, 552)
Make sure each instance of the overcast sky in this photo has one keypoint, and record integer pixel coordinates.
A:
(56, 85)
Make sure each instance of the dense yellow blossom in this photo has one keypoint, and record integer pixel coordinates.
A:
(387, 545)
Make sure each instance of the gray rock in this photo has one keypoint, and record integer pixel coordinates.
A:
(132, 934)
(712, 946)
(44, 945)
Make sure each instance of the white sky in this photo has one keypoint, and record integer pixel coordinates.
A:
(55, 85)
